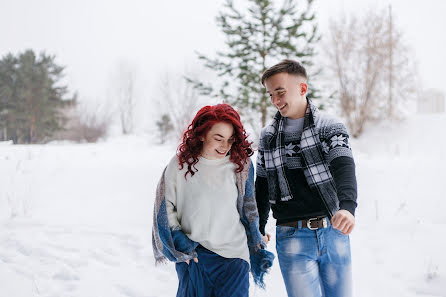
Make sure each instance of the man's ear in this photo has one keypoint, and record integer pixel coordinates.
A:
(303, 88)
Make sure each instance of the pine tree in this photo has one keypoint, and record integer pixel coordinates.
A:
(8, 77)
(256, 40)
(31, 96)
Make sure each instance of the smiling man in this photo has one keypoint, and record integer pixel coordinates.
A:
(306, 175)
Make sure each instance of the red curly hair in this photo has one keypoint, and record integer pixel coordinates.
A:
(190, 148)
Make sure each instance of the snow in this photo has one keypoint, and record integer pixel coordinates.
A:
(75, 219)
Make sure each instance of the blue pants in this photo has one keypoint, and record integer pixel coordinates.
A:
(213, 276)
(314, 263)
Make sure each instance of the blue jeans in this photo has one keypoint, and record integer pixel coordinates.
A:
(314, 262)
(213, 276)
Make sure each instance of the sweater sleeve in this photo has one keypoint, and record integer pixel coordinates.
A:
(343, 172)
(338, 152)
(181, 242)
(261, 192)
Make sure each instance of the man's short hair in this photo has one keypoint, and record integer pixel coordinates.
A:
(288, 66)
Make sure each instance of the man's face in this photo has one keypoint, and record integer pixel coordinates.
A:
(287, 93)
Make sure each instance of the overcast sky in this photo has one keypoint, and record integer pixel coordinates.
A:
(90, 37)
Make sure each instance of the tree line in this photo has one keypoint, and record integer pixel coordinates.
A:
(367, 64)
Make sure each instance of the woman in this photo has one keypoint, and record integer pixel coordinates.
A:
(205, 209)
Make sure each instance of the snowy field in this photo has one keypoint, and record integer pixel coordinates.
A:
(76, 219)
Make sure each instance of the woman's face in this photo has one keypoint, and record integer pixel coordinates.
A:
(218, 141)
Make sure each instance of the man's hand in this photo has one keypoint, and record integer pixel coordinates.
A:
(266, 238)
(344, 221)
(195, 260)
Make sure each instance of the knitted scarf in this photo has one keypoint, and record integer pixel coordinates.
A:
(164, 239)
(316, 169)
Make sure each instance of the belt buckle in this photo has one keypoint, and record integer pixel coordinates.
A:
(324, 223)
(309, 224)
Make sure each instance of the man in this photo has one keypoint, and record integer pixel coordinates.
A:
(306, 175)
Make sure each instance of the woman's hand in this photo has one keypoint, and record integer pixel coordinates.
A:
(266, 238)
(195, 260)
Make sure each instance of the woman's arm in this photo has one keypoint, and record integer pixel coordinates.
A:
(181, 242)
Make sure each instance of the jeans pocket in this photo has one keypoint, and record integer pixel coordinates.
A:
(284, 231)
(338, 232)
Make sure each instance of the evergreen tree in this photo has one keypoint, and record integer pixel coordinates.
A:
(31, 97)
(8, 77)
(255, 40)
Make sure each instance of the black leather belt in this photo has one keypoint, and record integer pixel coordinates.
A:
(312, 224)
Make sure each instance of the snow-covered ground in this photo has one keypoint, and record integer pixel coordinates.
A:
(75, 219)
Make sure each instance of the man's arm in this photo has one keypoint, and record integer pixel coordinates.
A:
(262, 202)
(261, 192)
(342, 168)
(343, 171)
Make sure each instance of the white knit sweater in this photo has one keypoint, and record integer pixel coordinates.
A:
(204, 206)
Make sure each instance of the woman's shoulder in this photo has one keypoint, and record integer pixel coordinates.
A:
(247, 167)
(248, 164)
(172, 167)
(173, 160)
